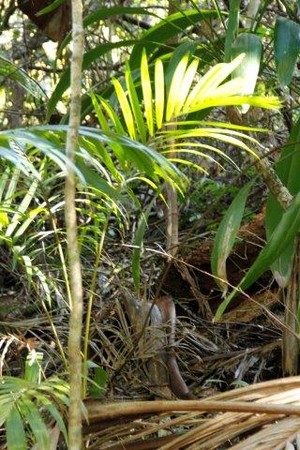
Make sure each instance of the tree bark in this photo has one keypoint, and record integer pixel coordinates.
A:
(74, 264)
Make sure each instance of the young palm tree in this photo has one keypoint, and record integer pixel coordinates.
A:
(156, 108)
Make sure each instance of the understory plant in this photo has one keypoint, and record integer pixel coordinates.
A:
(163, 106)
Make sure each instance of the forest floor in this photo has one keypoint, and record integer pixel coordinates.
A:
(217, 361)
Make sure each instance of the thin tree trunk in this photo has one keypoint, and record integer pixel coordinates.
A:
(172, 218)
(74, 265)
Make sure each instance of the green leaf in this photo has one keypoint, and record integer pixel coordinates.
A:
(99, 380)
(33, 369)
(119, 129)
(288, 169)
(283, 235)
(93, 179)
(136, 107)
(250, 45)
(207, 85)
(232, 28)
(286, 48)
(33, 416)
(226, 236)
(15, 433)
(54, 412)
(55, 4)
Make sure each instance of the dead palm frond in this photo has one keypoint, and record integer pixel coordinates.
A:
(265, 416)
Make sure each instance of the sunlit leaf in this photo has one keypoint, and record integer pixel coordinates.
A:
(125, 108)
(175, 87)
(249, 45)
(147, 93)
(159, 87)
(136, 106)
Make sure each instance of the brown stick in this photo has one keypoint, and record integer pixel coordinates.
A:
(100, 411)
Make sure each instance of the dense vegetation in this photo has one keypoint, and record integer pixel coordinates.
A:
(149, 219)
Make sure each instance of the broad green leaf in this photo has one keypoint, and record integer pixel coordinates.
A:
(283, 235)
(33, 366)
(286, 48)
(184, 48)
(226, 236)
(15, 433)
(93, 179)
(232, 27)
(249, 45)
(288, 169)
(33, 417)
(54, 412)
(99, 380)
(147, 93)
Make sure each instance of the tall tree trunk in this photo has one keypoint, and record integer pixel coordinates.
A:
(74, 265)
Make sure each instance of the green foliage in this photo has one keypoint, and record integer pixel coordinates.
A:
(284, 233)
(287, 168)
(226, 236)
(250, 45)
(286, 47)
(157, 113)
(35, 404)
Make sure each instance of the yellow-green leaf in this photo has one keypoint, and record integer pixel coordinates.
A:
(126, 109)
(159, 93)
(147, 93)
(175, 87)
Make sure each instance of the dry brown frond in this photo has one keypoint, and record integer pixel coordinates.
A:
(270, 411)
